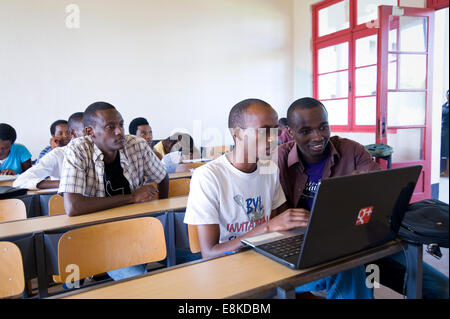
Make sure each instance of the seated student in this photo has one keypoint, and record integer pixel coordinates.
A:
(107, 169)
(50, 165)
(283, 135)
(182, 149)
(140, 127)
(60, 137)
(237, 194)
(14, 158)
(313, 156)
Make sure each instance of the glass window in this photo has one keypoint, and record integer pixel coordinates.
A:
(333, 58)
(368, 9)
(366, 81)
(407, 71)
(366, 110)
(410, 35)
(333, 85)
(366, 51)
(337, 111)
(334, 18)
(406, 108)
(407, 144)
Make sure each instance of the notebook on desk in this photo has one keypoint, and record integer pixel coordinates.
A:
(349, 214)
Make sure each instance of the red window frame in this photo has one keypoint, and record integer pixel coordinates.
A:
(437, 4)
(351, 34)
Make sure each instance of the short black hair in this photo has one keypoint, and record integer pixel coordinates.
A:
(89, 116)
(177, 137)
(236, 117)
(132, 128)
(75, 117)
(54, 124)
(7, 133)
(303, 103)
(283, 121)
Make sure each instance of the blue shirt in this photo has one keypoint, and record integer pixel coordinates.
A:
(314, 172)
(18, 154)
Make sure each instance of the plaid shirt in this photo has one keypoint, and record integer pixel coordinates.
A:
(83, 167)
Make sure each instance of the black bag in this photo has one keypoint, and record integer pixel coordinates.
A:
(426, 223)
(11, 192)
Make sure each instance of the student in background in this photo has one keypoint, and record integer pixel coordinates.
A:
(60, 137)
(283, 135)
(14, 158)
(50, 164)
(140, 127)
(313, 156)
(182, 149)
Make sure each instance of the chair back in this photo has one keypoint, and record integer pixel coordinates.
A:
(12, 279)
(56, 205)
(194, 244)
(12, 209)
(100, 248)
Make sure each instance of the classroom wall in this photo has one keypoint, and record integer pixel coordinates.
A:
(182, 64)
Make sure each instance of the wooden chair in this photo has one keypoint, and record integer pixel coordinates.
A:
(194, 244)
(186, 167)
(100, 248)
(12, 209)
(56, 205)
(213, 152)
(12, 280)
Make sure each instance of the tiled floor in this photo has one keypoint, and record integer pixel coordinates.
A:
(440, 264)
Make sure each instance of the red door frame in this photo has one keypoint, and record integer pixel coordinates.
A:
(423, 187)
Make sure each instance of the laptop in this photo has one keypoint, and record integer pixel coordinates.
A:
(350, 214)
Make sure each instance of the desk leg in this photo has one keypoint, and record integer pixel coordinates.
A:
(415, 265)
(285, 293)
(171, 253)
(39, 247)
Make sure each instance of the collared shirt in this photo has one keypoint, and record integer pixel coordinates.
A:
(49, 166)
(83, 168)
(345, 156)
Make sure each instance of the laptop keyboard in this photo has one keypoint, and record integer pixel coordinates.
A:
(287, 248)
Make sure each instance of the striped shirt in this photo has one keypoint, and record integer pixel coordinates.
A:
(83, 167)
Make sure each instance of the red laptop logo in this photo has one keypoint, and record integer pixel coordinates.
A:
(364, 215)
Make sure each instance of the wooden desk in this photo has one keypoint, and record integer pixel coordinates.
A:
(242, 275)
(7, 180)
(180, 175)
(51, 223)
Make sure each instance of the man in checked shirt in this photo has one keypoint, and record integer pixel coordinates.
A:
(105, 168)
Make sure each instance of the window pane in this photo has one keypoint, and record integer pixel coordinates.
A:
(337, 111)
(366, 81)
(333, 85)
(406, 108)
(409, 70)
(368, 9)
(366, 110)
(366, 51)
(407, 144)
(334, 18)
(333, 58)
(411, 33)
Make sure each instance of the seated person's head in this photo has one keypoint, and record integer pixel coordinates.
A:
(104, 124)
(75, 125)
(7, 138)
(308, 124)
(60, 133)
(140, 127)
(181, 142)
(254, 126)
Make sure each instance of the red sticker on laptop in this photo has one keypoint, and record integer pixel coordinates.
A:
(364, 215)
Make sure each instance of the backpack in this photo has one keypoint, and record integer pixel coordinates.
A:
(426, 222)
(11, 192)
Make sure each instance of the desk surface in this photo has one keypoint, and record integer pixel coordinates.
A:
(239, 275)
(47, 223)
(180, 175)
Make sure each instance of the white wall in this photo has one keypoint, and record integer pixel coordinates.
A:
(175, 62)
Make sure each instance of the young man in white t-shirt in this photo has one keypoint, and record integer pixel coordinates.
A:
(239, 194)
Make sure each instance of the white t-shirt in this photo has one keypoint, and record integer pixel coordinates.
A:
(237, 201)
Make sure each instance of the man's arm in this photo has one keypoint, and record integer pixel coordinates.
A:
(77, 204)
(163, 187)
(45, 184)
(209, 235)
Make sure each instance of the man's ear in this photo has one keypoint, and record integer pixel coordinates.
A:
(89, 131)
(236, 132)
(291, 133)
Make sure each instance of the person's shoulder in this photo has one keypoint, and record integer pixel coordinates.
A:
(285, 148)
(137, 142)
(212, 168)
(83, 144)
(19, 147)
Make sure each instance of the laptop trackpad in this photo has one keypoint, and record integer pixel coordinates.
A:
(273, 236)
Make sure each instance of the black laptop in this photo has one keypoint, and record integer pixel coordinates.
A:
(350, 214)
